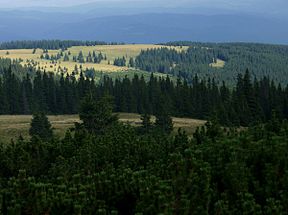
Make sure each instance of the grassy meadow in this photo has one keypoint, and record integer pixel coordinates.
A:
(219, 64)
(106, 66)
(11, 126)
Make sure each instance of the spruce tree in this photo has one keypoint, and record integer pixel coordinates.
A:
(131, 62)
(163, 119)
(66, 57)
(41, 127)
(146, 123)
(80, 57)
(97, 116)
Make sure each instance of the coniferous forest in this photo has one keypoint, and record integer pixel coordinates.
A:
(236, 164)
(260, 59)
(48, 44)
(250, 101)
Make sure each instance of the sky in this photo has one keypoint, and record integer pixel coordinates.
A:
(260, 6)
(224, 3)
(32, 3)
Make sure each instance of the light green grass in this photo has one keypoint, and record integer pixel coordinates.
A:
(219, 64)
(12, 126)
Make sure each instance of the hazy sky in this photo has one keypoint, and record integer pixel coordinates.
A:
(226, 3)
(264, 6)
(31, 3)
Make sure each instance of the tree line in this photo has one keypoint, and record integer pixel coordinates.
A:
(91, 57)
(249, 101)
(50, 44)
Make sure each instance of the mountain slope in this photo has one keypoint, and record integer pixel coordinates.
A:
(153, 28)
(143, 28)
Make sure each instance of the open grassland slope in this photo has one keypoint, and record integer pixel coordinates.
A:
(30, 57)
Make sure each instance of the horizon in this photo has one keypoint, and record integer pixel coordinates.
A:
(265, 6)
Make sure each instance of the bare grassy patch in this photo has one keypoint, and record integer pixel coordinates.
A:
(219, 64)
(12, 126)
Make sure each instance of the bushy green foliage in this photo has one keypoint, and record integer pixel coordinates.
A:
(119, 172)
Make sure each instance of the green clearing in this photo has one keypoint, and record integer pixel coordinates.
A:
(219, 64)
(11, 126)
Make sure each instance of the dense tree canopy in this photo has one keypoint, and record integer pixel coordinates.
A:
(103, 166)
(122, 172)
(249, 101)
(261, 59)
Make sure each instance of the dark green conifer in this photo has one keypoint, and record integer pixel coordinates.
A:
(41, 127)
(97, 116)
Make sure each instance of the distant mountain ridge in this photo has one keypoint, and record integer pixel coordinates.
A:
(142, 28)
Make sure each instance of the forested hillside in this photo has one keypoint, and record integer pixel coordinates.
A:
(201, 58)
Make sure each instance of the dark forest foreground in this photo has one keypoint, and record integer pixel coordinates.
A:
(107, 167)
